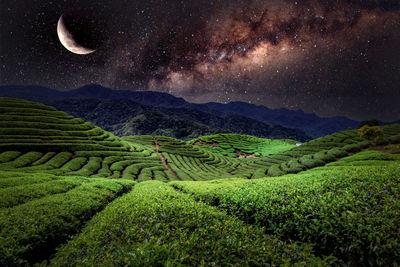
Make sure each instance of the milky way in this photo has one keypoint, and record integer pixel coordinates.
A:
(240, 41)
(330, 57)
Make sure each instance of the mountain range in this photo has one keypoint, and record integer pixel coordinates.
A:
(175, 113)
(123, 117)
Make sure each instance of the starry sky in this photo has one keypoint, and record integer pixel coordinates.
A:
(330, 57)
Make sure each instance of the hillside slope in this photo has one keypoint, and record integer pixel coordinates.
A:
(74, 194)
(83, 148)
(242, 146)
(310, 123)
(118, 115)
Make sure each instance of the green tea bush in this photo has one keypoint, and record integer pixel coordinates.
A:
(11, 179)
(29, 231)
(352, 148)
(275, 170)
(21, 161)
(106, 153)
(43, 125)
(324, 156)
(132, 171)
(334, 209)
(156, 225)
(337, 152)
(294, 163)
(372, 155)
(44, 159)
(54, 163)
(91, 167)
(74, 164)
(356, 147)
(44, 119)
(9, 155)
(20, 194)
(311, 163)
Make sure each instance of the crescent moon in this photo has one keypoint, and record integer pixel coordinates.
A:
(68, 40)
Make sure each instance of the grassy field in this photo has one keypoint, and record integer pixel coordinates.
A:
(73, 194)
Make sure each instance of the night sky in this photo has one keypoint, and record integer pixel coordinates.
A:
(331, 57)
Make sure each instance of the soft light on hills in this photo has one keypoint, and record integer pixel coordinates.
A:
(242, 146)
(311, 124)
(74, 194)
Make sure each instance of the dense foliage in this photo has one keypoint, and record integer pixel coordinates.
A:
(352, 213)
(124, 117)
(234, 145)
(74, 194)
(156, 224)
(370, 132)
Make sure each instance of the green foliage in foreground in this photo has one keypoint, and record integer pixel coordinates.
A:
(348, 208)
(353, 213)
(29, 232)
(11, 179)
(155, 225)
(20, 194)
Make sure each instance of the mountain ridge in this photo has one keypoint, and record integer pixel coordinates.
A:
(310, 123)
(118, 115)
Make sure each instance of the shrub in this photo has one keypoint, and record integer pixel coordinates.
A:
(312, 163)
(355, 147)
(337, 152)
(28, 230)
(156, 225)
(20, 194)
(275, 170)
(324, 156)
(335, 209)
(370, 132)
(9, 155)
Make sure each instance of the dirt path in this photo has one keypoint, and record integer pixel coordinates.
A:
(163, 160)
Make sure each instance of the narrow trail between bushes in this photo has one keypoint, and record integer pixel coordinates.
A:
(163, 160)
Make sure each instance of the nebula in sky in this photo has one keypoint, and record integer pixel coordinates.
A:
(331, 57)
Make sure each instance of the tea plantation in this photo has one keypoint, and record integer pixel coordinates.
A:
(236, 145)
(73, 194)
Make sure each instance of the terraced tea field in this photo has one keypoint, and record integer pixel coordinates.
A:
(236, 145)
(73, 194)
(348, 210)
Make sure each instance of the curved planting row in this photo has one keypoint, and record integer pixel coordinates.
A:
(28, 126)
(350, 212)
(192, 163)
(154, 224)
(30, 231)
(38, 138)
(317, 152)
(236, 145)
(124, 166)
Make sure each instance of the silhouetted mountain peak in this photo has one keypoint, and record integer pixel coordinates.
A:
(308, 122)
(92, 89)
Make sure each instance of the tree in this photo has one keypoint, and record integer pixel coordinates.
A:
(369, 123)
(371, 132)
